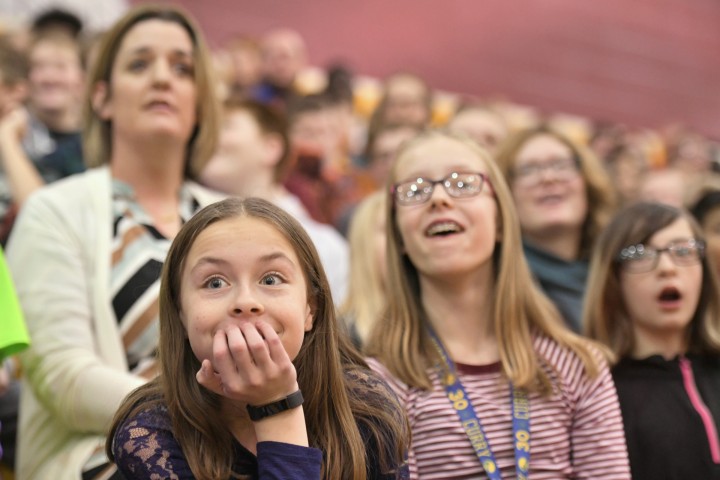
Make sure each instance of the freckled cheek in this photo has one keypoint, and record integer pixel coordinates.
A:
(293, 343)
(201, 347)
(200, 324)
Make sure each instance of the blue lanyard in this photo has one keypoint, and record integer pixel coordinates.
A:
(473, 428)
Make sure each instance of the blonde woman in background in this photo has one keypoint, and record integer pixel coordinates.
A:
(563, 197)
(366, 299)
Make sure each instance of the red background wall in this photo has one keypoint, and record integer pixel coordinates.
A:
(642, 62)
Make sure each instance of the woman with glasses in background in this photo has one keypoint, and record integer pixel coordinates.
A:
(494, 383)
(654, 300)
(563, 198)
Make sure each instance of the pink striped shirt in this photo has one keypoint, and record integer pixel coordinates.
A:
(576, 432)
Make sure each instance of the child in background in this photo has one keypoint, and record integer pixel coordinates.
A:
(654, 299)
(495, 385)
(255, 378)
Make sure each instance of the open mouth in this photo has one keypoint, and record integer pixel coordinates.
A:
(669, 295)
(443, 229)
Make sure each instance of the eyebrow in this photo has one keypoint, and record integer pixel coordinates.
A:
(270, 257)
(142, 50)
(276, 256)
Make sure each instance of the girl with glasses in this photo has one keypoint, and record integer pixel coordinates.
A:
(654, 300)
(494, 384)
(563, 198)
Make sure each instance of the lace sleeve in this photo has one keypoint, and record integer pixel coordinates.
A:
(145, 448)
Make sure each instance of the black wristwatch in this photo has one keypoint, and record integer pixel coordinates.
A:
(293, 400)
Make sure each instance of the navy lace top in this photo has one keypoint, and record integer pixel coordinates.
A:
(145, 448)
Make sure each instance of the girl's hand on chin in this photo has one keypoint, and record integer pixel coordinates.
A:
(250, 365)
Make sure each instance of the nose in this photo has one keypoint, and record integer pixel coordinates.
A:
(245, 302)
(161, 72)
(439, 195)
(547, 174)
(666, 264)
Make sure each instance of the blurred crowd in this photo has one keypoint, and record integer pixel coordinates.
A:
(319, 141)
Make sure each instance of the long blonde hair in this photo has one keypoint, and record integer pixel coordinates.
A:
(97, 133)
(519, 307)
(328, 368)
(366, 296)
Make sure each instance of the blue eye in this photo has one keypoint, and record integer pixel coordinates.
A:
(271, 279)
(214, 283)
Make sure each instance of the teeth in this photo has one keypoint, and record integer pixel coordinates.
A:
(444, 227)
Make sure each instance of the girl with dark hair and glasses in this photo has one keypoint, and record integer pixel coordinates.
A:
(495, 385)
(654, 300)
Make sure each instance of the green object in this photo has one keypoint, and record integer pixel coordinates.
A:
(13, 334)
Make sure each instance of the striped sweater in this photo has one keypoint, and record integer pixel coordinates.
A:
(576, 432)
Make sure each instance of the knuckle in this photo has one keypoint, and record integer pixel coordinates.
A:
(274, 342)
(221, 354)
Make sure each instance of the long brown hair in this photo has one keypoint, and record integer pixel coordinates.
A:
(601, 197)
(328, 369)
(97, 133)
(402, 343)
(605, 316)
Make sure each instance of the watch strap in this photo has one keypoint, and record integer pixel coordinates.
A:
(293, 400)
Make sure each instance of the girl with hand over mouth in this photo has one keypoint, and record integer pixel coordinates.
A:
(255, 379)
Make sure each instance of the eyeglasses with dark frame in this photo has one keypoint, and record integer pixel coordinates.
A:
(456, 184)
(642, 258)
(563, 168)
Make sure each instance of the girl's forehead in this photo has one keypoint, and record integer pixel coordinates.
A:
(680, 228)
(438, 154)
